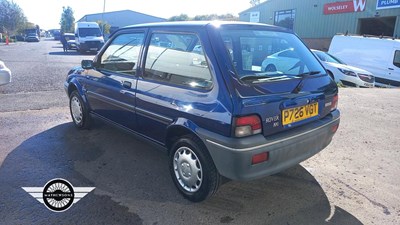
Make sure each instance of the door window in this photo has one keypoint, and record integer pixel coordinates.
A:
(123, 53)
(177, 59)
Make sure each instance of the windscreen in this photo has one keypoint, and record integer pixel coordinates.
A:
(268, 54)
(326, 57)
(85, 32)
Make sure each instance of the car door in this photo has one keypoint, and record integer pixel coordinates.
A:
(176, 83)
(111, 85)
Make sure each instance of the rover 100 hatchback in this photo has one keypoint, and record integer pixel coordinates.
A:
(200, 92)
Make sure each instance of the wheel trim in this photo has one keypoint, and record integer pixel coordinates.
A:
(76, 109)
(188, 170)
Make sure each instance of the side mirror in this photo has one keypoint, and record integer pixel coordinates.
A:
(87, 64)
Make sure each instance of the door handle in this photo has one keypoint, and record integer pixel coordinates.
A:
(390, 68)
(127, 84)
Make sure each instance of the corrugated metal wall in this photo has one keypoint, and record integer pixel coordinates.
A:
(310, 21)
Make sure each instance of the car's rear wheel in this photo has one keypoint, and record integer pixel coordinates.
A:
(192, 169)
(270, 68)
(79, 113)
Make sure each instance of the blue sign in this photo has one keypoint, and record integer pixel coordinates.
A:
(387, 4)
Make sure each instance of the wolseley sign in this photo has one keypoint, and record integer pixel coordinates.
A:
(345, 7)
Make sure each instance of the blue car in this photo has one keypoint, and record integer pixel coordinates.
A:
(198, 91)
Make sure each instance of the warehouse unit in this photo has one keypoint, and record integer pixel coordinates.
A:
(316, 22)
(118, 19)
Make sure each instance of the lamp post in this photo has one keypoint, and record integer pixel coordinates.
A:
(102, 16)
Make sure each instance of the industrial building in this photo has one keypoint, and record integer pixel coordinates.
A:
(118, 19)
(316, 22)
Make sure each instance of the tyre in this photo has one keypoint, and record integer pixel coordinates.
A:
(270, 68)
(79, 113)
(192, 169)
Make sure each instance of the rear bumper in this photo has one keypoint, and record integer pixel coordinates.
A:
(233, 156)
(32, 40)
(71, 46)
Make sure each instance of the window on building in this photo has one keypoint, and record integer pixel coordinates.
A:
(285, 18)
(177, 59)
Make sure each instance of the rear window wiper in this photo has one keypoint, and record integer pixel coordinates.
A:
(306, 74)
(302, 76)
(254, 77)
(264, 76)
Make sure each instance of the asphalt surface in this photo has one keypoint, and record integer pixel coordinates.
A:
(353, 181)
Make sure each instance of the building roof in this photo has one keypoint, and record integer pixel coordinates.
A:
(118, 12)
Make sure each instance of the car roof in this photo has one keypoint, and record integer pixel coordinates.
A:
(215, 23)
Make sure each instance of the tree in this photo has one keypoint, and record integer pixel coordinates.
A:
(12, 18)
(287, 23)
(182, 17)
(254, 2)
(228, 17)
(105, 27)
(67, 20)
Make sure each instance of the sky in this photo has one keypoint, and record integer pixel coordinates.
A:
(47, 13)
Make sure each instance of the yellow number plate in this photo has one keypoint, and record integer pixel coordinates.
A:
(296, 114)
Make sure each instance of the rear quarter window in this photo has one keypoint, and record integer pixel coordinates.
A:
(177, 59)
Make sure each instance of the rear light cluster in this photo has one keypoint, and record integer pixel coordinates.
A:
(334, 102)
(247, 125)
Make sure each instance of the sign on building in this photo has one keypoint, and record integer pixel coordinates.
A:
(387, 4)
(254, 17)
(346, 7)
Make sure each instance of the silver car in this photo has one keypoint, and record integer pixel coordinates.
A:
(5, 74)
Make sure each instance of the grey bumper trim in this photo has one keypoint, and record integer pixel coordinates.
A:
(273, 142)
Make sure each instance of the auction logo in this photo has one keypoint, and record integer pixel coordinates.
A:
(58, 194)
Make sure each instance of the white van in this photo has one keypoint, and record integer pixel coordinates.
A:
(88, 37)
(380, 56)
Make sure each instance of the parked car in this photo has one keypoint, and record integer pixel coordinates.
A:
(32, 37)
(284, 61)
(207, 104)
(5, 74)
(380, 56)
(70, 38)
(346, 74)
(18, 37)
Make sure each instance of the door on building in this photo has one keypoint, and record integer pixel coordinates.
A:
(377, 26)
